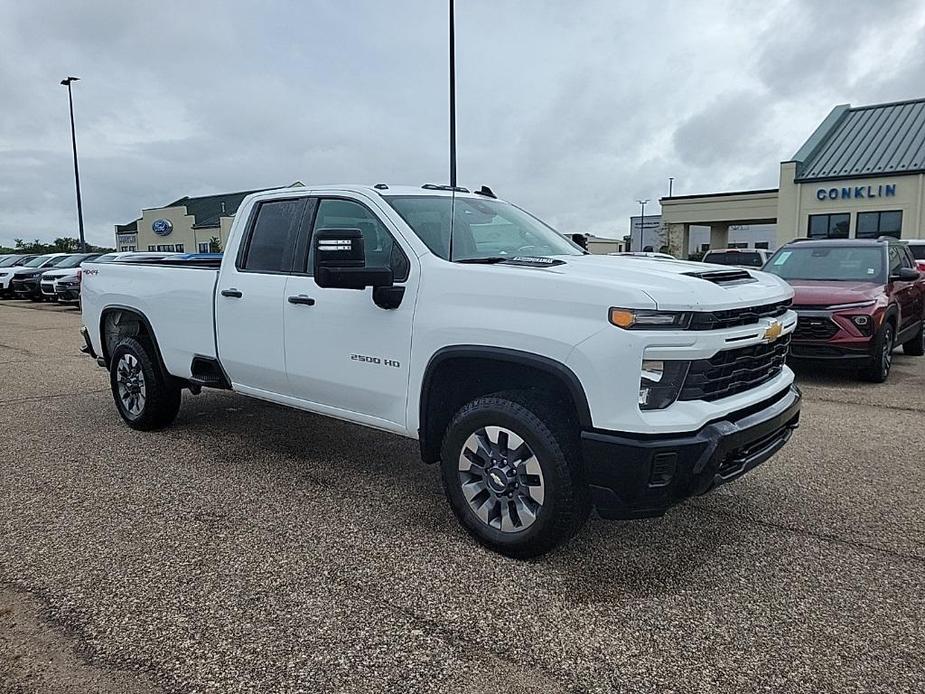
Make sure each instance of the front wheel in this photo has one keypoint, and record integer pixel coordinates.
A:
(882, 359)
(512, 474)
(146, 398)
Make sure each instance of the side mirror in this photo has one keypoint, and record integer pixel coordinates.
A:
(906, 274)
(340, 261)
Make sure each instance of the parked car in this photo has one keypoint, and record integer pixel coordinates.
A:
(68, 267)
(739, 257)
(917, 248)
(857, 299)
(544, 380)
(25, 279)
(7, 268)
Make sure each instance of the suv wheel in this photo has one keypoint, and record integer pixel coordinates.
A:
(916, 346)
(882, 358)
(512, 474)
(145, 398)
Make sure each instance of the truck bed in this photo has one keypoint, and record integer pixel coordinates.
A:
(176, 295)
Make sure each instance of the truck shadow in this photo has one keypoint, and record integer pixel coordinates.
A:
(605, 560)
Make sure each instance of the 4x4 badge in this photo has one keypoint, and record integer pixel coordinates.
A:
(773, 331)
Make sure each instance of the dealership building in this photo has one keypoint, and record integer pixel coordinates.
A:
(190, 224)
(861, 174)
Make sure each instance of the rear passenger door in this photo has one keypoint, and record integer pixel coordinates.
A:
(250, 298)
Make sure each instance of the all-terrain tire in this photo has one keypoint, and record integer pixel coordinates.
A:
(554, 444)
(146, 397)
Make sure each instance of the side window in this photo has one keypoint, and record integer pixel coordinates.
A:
(906, 257)
(381, 249)
(896, 259)
(271, 243)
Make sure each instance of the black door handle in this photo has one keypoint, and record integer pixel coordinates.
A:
(233, 293)
(301, 299)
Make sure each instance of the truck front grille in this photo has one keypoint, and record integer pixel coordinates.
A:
(815, 328)
(734, 371)
(732, 318)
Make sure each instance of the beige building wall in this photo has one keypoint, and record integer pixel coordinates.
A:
(183, 231)
(797, 201)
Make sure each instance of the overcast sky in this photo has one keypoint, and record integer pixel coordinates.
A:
(572, 109)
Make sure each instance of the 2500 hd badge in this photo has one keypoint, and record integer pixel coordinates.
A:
(375, 360)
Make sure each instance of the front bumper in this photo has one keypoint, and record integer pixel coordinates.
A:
(638, 475)
(26, 288)
(68, 292)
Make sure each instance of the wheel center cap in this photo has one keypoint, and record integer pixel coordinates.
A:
(497, 480)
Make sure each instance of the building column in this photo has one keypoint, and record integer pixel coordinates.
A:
(719, 236)
(679, 240)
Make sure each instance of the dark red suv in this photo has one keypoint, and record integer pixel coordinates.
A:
(856, 298)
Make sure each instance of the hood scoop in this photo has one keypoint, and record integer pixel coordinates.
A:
(724, 278)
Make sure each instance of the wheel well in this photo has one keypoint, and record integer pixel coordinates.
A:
(117, 323)
(454, 379)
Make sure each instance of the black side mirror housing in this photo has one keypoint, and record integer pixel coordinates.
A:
(906, 274)
(340, 261)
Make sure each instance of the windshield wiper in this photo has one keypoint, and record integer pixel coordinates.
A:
(488, 260)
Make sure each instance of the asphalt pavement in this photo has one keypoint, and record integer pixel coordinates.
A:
(251, 548)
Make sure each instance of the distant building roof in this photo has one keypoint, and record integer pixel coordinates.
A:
(878, 140)
(207, 210)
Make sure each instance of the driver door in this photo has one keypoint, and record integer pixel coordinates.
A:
(345, 355)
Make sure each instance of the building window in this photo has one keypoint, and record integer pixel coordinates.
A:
(737, 245)
(130, 249)
(152, 248)
(179, 248)
(204, 247)
(872, 225)
(762, 244)
(829, 226)
(164, 248)
(704, 247)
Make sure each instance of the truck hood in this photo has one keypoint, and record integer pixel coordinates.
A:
(670, 284)
(828, 293)
(58, 274)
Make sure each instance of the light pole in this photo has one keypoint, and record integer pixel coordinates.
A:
(670, 185)
(642, 220)
(80, 213)
(452, 93)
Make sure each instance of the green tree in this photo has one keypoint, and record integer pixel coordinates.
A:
(215, 245)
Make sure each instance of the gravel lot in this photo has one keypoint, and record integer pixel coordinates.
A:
(253, 548)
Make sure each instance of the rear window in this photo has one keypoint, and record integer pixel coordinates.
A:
(918, 251)
(746, 258)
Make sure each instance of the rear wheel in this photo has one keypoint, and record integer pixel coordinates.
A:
(146, 398)
(882, 359)
(916, 346)
(512, 474)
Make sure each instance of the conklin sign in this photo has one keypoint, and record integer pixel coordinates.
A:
(881, 191)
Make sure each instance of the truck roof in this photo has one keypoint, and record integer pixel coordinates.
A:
(388, 190)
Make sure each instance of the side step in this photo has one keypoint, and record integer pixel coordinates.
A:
(207, 373)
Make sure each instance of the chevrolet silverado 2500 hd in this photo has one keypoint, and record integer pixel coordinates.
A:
(544, 380)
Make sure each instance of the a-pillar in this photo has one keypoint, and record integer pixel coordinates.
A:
(679, 240)
(719, 236)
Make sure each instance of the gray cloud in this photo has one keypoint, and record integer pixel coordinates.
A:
(571, 109)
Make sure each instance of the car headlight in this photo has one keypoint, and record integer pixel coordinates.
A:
(644, 319)
(660, 382)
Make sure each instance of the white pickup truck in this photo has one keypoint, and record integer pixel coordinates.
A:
(546, 381)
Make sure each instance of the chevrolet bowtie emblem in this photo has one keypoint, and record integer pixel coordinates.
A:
(772, 332)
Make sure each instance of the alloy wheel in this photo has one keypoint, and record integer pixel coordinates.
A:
(131, 382)
(501, 479)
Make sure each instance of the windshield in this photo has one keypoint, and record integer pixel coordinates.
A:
(9, 262)
(746, 258)
(38, 261)
(483, 229)
(107, 258)
(838, 263)
(71, 261)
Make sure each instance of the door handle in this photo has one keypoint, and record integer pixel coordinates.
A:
(233, 293)
(301, 299)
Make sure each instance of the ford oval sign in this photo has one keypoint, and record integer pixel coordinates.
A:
(161, 227)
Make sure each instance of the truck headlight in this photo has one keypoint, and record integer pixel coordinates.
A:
(660, 382)
(644, 319)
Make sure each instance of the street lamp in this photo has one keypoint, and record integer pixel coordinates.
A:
(80, 214)
(642, 220)
(670, 185)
